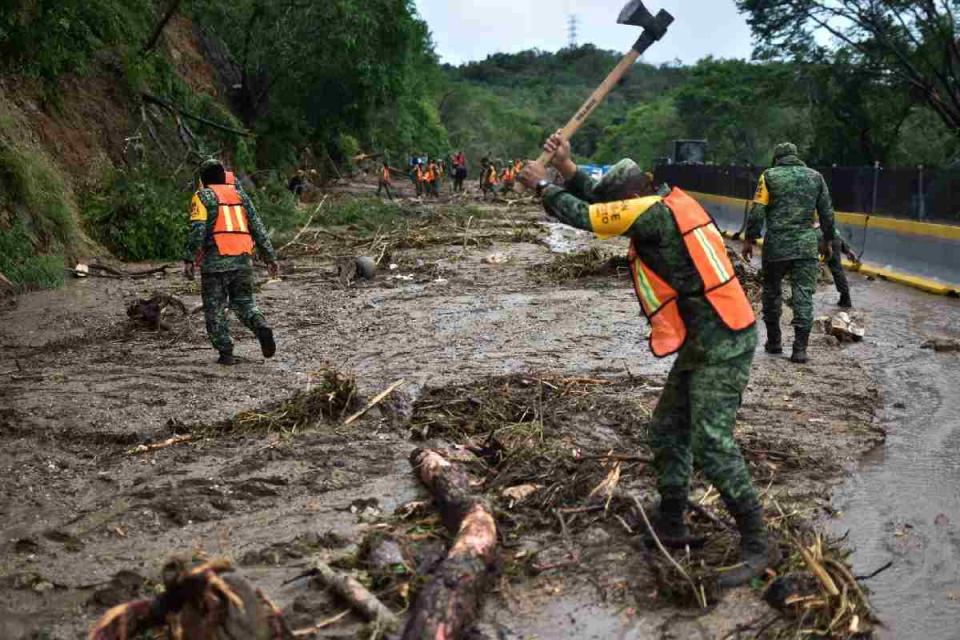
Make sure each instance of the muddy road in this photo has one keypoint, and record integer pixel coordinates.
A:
(473, 307)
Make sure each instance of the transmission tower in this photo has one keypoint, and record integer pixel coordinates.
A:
(573, 28)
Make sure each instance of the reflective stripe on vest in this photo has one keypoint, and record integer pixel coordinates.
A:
(708, 253)
(231, 230)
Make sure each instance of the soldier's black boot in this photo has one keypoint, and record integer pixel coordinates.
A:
(800, 340)
(226, 358)
(755, 551)
(267, 344)
(669, 525)
(845, 301)
(774, 338)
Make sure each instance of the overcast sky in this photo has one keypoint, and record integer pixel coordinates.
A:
(465, 30)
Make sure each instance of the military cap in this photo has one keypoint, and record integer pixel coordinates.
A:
(625, 180)
(785, 149)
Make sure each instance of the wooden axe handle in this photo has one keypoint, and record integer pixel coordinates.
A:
(595, 100)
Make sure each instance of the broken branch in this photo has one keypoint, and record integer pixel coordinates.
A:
(377, 400)
(354, 594)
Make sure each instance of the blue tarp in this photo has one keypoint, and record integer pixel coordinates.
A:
(595, 170)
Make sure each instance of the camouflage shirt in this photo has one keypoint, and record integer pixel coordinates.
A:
(203, 215)
(787, 197)
(660, 245)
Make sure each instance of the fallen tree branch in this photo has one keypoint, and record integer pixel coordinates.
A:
(169, 442)
(305, 227)
(377, 400)
(451, 599)
(210, 123)
(653, 534)
(128, 274)
(355, 594)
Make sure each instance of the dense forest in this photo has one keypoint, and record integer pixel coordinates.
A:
(107, 106)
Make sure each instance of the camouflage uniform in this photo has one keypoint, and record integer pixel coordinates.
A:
(697, 410)
(788, 195)
(225, 279)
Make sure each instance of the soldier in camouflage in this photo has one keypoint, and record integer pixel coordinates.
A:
(226, 280)
(787, 196)
(697, 411)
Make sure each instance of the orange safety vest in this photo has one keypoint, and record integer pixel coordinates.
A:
(386, 174)
(507, 175)
(720, 284)
(491, 175)
(419, 173)
(231, 178)
(431, 173)
(231, 231)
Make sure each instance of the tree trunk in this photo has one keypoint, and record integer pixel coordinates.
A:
(452, 598)
(158, 31)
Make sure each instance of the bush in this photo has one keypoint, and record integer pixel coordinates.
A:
(33, 189)
(25, 268)
(142, 215)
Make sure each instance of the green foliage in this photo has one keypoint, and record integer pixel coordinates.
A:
(34, 191)
(277, 207)
(140, 215)
(20, 262)
(647, 134)
(47, 38)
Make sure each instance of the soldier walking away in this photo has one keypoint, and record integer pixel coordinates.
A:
(697, 310)
(385, 180)
(786, 198)
(224, 229)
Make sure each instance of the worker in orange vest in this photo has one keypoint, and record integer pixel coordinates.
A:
(225, 228)
(488, 182)
(432, 179)
(506, 179)
(418, 176)
(698, 310)
(385, 181)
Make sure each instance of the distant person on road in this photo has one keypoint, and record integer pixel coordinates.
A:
(459, 172)
(507, 179)
(417, 177)
(385, 181)
(697, 310)
(224, 230)
(786, 198)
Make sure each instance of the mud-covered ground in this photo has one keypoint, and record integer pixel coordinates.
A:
(86, 523)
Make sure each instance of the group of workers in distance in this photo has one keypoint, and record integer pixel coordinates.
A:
(683, 279)
(428, 175)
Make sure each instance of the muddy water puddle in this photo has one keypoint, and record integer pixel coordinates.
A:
(903, 506)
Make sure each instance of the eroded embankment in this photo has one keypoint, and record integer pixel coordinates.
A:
(546, 379)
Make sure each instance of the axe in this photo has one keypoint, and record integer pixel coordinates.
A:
(654, 28)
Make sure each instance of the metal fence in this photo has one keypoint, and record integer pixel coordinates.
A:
(910, 193)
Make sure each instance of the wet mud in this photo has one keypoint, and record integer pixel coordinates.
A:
(87, 520)
(903, 504)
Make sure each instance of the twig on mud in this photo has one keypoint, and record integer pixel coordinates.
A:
(873, 575)
(355, 594)
(170, 442)
(304, 227)
(323, 624)
(701, 600)
(710, 516)
(377, 400)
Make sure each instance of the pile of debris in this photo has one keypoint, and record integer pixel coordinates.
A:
(583, 264)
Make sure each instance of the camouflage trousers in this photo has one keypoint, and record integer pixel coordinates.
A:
(233, 289)
(803, 280)
(835, 264)
(694, 422)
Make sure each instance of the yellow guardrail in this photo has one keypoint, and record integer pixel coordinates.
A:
(896, 225)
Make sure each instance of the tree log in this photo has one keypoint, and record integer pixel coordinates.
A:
(452, 597)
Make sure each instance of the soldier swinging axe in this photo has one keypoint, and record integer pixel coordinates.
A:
(654, 28)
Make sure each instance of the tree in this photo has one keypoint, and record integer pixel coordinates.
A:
(907, 43)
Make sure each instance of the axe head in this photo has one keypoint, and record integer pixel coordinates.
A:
(637, 15)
